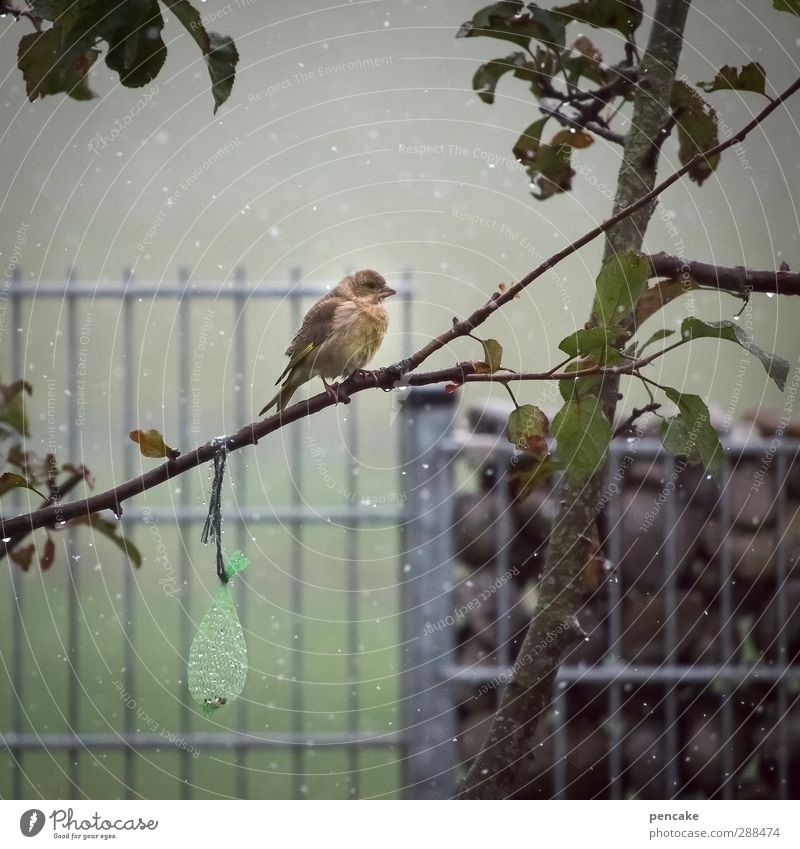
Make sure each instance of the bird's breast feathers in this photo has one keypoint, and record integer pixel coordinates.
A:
(357, 331)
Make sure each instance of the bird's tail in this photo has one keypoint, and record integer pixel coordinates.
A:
(282, 398)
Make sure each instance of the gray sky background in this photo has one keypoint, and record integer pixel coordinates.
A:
(310, 163)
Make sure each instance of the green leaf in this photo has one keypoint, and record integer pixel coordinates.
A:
(12, 406)
(622, 15)
(690, 433)
(9, 481)
(219, 51)
(751, 77)
(151, 444)
(513, 21)
(109, 530)
(49, 68)
(549, 166)
(776, 367)
(136, 50)
(583, 433)
(620, 282)
(486, 78)
(529, 142)
(696, 122)
(581, 342)
(58, 59)
(791, 6)
(493, 353)
(528, 427)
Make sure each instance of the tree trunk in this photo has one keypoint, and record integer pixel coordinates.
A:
(509, 742)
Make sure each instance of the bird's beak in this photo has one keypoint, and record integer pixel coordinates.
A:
(387, 293)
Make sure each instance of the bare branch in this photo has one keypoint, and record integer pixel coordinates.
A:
(739, 280)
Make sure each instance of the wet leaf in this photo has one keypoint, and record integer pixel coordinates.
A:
(574, 138)
(12, 406)
(583, 341)
(776, 367)
(690, 433)
(486, 78)
(23, 556)
(791, 6)
(151, 444)
(622, 15)
(620, 283)
(751, 77)
(48, 68)
(696, 123)
(658, 296)
(514, 21)
(493, 353)
(219, 51)
(9, 481)
(583, 433)
(528, 427)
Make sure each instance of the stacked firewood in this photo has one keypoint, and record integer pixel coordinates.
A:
(692, 576)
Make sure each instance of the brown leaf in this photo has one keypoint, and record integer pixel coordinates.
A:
(151, 444)
(23, 556)
(658, 296)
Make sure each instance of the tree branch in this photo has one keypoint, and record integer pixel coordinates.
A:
(731, 279)
(509, 741)
(8, 9)
(386, 378)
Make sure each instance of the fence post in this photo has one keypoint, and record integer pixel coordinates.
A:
(426, 580)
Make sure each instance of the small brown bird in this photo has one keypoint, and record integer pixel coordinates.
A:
(340, 334)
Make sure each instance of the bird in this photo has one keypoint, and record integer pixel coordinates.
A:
(340, 334)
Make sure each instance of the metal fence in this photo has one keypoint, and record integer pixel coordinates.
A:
(434, 684)
(742, 693)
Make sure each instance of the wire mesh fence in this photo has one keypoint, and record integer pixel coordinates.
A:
(388, 598)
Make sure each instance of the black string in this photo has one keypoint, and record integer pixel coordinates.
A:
(213, 524)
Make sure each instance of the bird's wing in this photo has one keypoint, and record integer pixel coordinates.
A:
(315, 329)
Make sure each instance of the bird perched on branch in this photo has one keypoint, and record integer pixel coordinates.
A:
(340, 334)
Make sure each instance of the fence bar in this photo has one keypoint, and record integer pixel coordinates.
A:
(297, 453)
(128, 583)
(240, 396)
(429, 715)
(781, 624)
(200, 739)
(18, 584)
(73, 573)
(726, 621)
(352, 566)
(502, 569)
(670, 639)
(184, 529)
(612, 657)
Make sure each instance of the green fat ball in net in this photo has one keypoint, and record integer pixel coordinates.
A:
(218, 656)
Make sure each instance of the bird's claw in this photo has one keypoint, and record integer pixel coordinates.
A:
(340, 394)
